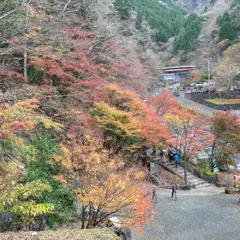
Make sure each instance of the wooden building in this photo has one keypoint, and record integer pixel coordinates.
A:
(171, 75)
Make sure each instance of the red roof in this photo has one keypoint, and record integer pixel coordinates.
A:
(177, 70)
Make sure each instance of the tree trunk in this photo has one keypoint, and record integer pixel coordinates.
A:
(25, 56)
(185, 167)
(83, 218)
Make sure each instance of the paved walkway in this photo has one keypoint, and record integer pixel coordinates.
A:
(194, 217)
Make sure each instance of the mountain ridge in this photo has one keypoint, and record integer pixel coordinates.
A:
(197, 6)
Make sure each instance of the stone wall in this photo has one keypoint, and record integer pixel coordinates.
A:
(200, 98)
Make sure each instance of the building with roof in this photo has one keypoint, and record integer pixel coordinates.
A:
(176, 74)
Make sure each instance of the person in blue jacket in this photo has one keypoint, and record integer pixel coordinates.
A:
(176, 158)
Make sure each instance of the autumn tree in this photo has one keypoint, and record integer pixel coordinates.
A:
(102, 186)
(228, 68)
(187, 126)
(21, 200)
(226, 141)
(153, 130)
(127, 120)
(17, 121)
(163, 103)
(120, 128)
(40, 167)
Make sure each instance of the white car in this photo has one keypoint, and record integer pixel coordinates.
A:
(233, 88)
(203, 155)
(237, 160)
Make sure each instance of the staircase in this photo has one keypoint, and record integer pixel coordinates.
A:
(196, 182)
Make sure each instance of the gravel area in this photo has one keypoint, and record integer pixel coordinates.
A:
(194, 217)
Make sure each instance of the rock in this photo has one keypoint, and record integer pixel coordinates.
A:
(229, 191)
(126, 234)
(155, 173)
(6, 220)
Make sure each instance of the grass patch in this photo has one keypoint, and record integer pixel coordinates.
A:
(221, 101)
(71, 234)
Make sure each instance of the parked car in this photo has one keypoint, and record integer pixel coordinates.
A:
(233, 88)
(176, 93)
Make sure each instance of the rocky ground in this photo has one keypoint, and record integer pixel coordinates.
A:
(70, 234)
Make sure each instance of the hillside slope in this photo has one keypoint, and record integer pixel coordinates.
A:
(206, 46)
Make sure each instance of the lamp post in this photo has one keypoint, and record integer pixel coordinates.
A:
(185, 166)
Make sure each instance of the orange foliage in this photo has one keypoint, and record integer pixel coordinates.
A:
(153, 131)
(163, 103)
(103, 185)
(140, 213)
(226, 128)
(187, 126)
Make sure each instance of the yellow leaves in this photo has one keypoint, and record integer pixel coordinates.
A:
(19, 199)
(59, 49)
(103, 69)
(63, 159)
(119, 122)
(96, 158)
(64, 149)
(128, 99)
(173, 120)
(223, 44)
(87, 139)
(49, 123)
(140, 175)
(21, 117)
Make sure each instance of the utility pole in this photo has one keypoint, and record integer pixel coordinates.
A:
(209, 75)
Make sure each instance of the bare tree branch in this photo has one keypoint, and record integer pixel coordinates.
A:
(15, 9)
(64, 9)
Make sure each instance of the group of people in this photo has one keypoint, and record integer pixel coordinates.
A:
(173, 156)
(227, 108)
(200, 90)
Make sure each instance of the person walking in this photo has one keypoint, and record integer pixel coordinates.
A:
(174, 191)
(162, 156)
(154, 196)
(176, 158)
(170, 155)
